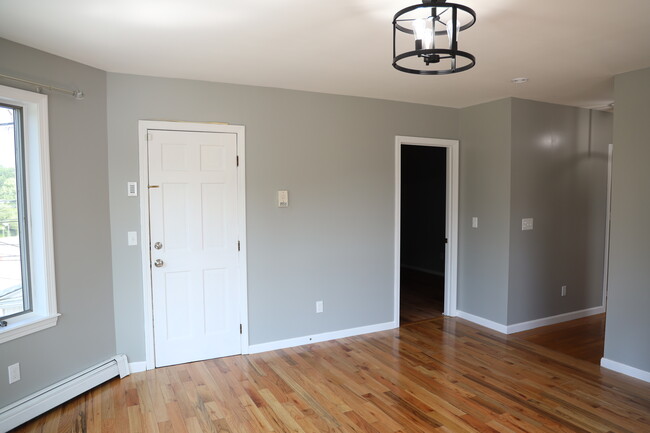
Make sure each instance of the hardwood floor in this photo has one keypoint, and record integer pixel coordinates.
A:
(441, 375)
(582, 338)
(421, 296)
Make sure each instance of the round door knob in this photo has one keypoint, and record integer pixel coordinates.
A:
(158, 263)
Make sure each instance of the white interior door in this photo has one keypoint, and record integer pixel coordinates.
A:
(194, 245)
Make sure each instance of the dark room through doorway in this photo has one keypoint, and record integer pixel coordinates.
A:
(422, 232)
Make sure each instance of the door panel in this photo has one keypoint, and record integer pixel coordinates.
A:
(175, 230)
(214, 289)
(177, 285)
(193, 214)
(213, 218)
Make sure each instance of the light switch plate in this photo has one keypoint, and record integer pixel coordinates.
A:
(527, 224)
(283, 198)
(132, 238)
(319, 306)
(132, 189)
(474, 222)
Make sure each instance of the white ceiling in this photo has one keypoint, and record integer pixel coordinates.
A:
(569, 50)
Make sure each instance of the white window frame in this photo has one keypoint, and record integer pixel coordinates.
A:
(39, 210)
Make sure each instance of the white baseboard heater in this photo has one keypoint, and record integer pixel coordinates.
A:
(40, 402)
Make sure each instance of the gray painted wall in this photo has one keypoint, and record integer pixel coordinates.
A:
(335, 242)
(85, 334)
(559, 178)
(335, 155)
(484, 193)
(522, 159)
(628, 321)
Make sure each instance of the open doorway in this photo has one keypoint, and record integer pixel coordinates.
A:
(423, 232)
(426, 233)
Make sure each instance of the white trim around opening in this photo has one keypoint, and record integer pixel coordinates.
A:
(144, 126)
(451, 256)
(38, 203)
(610, 160)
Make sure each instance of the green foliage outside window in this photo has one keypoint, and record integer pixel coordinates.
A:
(8, 207)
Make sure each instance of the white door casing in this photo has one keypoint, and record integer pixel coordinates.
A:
(451, 253)
(197, 296)
(608, 216)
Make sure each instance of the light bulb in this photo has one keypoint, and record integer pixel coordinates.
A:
(427, 42)
(419, 28)
(424, 32)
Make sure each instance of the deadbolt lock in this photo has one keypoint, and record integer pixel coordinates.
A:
(157, 245)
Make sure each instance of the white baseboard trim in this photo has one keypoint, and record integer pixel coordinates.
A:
(625, 369)
(532, 324)
(40, 402)
(137, 367)
(483, 322)
(545, 321)
(325, 336)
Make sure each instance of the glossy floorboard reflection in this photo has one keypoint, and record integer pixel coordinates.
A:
(582, 338)
(442, 375)
(421, 296)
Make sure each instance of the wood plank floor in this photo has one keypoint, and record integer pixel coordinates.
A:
(421, 296)
(581, 338)
(441, 375)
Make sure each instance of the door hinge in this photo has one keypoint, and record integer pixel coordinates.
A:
(148, 136)
(237, 160)
(238, 246)
(153, 186)
(446, 241)
(241, 329)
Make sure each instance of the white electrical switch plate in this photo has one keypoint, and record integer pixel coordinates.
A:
(132, 189)
(283, 198)
(474, 222)
(527, 224)
(14, 373)
(563, 290)
(133, 238)
(319, 306)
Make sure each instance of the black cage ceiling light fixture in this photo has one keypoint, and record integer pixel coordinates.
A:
(425, 38)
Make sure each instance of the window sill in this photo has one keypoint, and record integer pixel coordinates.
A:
(25, 325)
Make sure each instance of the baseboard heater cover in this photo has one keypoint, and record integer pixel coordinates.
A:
(40, 402)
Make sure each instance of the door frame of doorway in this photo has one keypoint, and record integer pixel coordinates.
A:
(451, 256)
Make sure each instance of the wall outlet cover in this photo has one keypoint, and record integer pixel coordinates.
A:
(14, 373)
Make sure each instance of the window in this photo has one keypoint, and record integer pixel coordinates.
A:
(27, 289)
(15, 294)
